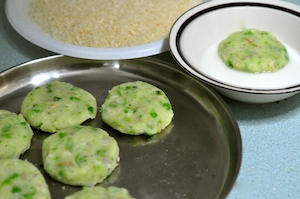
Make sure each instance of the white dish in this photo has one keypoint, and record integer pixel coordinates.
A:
(16, 12)
(195, 36)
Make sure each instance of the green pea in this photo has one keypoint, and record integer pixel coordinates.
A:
(61, 135)
(167, 106)
(153, 114)
(75, 98)
(91, 109)
(16, 189)
(8, 180)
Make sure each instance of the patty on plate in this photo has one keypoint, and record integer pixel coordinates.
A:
(58, 105)
(253, 50)
(97, 192)
(20, 179)
(15, 135)
(137, 108)
(80, 155)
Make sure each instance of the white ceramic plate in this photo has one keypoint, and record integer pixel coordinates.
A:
(16, 12)
(195, 36)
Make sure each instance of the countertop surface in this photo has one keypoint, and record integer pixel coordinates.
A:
(270, 132)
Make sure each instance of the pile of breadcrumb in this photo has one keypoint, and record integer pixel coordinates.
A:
(108, 23)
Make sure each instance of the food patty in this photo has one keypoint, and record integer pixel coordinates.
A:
(20, 179)
(80, 155)
(15, 135)
(137, 108)
(58, 105)
(254, 51)
(101, 192)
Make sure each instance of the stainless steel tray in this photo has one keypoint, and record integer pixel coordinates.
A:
(197, 156)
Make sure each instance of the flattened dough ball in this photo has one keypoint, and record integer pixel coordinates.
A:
(20, 179)
(80, 155)
(254, 51)
(101, 192)
(15, 135)
(58, 105)
(137, 108)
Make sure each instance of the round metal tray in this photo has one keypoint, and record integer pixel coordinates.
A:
(197, 156)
